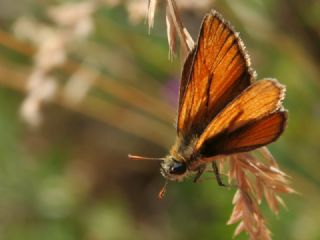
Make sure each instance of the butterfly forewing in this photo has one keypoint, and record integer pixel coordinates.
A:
(261, 99)
(220, 71)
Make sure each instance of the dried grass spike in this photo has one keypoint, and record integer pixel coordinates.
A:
(151, 12)
(171, 34)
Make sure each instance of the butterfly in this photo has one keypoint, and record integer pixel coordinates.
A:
(222, 109)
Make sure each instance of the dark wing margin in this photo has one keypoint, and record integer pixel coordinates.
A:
(252, 135)
(186, 70)
(219, 71)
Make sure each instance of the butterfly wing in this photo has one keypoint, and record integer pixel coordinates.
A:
(255, 118)
(220, 71)
(187, 67)
(252, 135)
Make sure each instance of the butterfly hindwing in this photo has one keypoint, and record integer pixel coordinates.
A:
(255, 104)
(220, 71)
(252, 135)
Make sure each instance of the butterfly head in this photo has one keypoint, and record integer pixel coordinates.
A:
(173, 169)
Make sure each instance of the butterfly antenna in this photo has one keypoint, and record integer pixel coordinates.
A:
(135, 157)
(163, 190)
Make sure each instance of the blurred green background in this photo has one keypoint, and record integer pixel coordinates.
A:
(82, 84)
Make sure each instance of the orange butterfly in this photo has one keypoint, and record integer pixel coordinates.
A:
(222, 110)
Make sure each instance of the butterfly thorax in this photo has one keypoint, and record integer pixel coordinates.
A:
(175, 167)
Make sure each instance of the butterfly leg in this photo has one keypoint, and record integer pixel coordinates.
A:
(218, 176)
(199, 173)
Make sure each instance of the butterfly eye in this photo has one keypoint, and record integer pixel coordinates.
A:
(178, 168)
